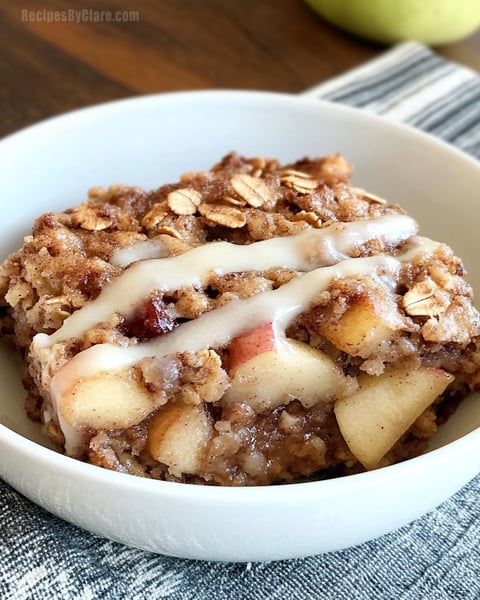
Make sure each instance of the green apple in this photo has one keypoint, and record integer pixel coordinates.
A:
(429, 21)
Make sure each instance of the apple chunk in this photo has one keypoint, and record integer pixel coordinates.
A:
(271, 370)
(250, 343)
(374, 418)
(107, 400)
(178, 435)
(364, 325)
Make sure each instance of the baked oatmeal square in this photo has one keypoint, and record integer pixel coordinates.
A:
(251, 324)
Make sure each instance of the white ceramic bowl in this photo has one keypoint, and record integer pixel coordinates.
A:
(150, 140)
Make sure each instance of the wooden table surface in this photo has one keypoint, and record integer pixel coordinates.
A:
(49, 63)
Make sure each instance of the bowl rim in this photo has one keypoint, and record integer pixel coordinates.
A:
(283, 491)
(220, 95)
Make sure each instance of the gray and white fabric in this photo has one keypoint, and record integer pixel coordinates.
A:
(413, 85)
(437, 557)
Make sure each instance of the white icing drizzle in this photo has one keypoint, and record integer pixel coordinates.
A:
(319, 255)
(309, 249)
(218, 327)
(146, 249)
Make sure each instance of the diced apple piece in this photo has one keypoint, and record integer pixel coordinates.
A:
(292, 370)
(107, 400)
(358, 330)
(374, 418)
(371, 319)
(178, 436)
(250, 343)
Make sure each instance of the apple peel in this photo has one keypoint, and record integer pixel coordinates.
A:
(268, 370)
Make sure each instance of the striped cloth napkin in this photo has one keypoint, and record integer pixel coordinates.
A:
(414, 85)
(437, 557)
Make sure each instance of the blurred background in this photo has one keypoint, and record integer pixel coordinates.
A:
(58, 55)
